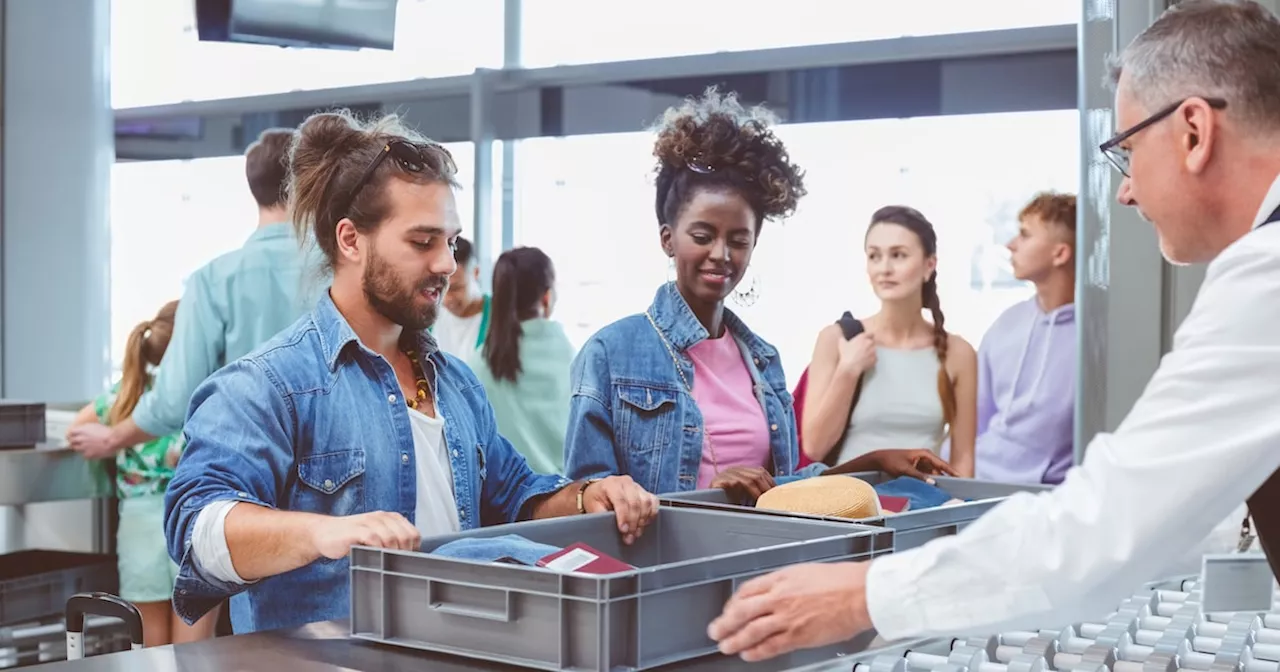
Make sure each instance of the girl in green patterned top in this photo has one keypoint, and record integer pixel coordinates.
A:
(142, 473)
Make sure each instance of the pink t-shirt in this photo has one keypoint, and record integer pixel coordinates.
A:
(731, 414)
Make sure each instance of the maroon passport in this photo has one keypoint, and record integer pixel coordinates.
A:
(894, 504)
(584, 559)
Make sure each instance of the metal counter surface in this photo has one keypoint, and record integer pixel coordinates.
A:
(50, 473)
(326, 647)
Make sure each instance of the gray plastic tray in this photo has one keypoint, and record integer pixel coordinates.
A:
(21, 424)
(911, 529)
(689, 563)
(36, 584)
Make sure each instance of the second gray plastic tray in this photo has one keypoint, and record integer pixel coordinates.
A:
(689, 562)
(911, 528)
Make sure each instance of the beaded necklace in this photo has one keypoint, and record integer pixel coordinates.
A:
(424, 388)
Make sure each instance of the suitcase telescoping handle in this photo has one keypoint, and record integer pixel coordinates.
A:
(99, 604)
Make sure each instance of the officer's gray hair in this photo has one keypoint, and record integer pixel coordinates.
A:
(1227, 49)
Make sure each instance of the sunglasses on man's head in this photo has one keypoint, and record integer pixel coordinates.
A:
(410, 157)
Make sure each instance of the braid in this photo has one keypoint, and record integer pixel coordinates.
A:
(946, 392)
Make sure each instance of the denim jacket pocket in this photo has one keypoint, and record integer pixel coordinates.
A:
(331, 483)
(647, 416)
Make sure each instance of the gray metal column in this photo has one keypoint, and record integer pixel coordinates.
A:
(58, 151)
(482, 137)
(1128, 298)
(512, 25)
(54, 278)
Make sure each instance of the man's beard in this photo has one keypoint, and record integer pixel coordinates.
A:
(396, 300)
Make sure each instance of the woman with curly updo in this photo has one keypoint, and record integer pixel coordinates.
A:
(685, 395)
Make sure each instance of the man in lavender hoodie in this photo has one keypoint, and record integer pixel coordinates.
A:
(1027, 360)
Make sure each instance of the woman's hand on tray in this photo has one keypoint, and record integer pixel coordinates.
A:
(914, 462)
(746, 482)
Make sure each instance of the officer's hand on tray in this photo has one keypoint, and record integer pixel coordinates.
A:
(635, 507)
(748, 482)
(333, 536)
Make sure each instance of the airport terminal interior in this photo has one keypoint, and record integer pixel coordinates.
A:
(894, 214)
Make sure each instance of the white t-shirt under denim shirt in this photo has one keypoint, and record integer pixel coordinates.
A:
(436, 512)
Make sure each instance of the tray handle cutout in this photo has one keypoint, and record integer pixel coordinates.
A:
(451, 599)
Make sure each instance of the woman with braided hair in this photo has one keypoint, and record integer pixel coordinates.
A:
(685, 395)
(875, 390)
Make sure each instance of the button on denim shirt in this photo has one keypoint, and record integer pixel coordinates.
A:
(314, 421)
(631, 414)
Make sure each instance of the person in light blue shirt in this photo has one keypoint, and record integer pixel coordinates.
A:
(524, 363)
(232, 305)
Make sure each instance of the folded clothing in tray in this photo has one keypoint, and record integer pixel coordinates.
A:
(516, 550)
(509, 548)
(919, 495)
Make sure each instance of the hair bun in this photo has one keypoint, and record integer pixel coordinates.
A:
(716, 133)
(328, 133)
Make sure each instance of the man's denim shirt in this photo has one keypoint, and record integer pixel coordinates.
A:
(314, 421)
(631, 414)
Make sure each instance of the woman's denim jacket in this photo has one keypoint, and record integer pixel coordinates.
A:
(631, 414)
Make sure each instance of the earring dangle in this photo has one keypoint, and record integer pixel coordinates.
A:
(748, 297)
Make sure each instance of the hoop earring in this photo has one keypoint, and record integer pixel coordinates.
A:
(747, 298)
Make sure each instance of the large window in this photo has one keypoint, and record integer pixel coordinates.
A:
(156, 58)
(588, 201)
(169, 218)
(608, 31)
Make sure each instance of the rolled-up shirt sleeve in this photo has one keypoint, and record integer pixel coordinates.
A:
(239, 438)
(209, 547)
(1203, 437)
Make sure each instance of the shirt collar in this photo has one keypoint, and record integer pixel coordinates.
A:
(1269, 203)
(336, 334)
(271, 232)
(677, 322)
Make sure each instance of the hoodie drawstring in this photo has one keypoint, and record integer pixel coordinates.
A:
(1052, 319)
(1017, 372)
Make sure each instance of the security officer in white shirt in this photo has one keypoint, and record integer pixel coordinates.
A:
(1198, 94)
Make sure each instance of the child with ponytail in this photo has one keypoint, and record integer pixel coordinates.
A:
(142, 473)
(524, 362)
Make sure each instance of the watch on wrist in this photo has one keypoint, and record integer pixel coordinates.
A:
(582, 491)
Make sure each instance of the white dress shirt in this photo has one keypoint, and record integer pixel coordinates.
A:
(435, 513)
(1202, 438)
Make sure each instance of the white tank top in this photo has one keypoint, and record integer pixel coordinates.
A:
(899, 405)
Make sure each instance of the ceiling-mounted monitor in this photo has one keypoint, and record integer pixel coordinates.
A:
(321, 24)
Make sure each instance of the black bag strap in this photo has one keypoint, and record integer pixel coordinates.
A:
(851, 327)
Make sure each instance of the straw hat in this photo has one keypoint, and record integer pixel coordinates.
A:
(835, 496)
